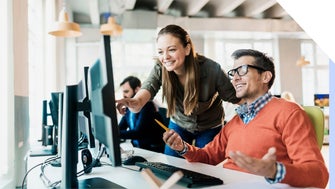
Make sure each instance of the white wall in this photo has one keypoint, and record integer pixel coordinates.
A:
(290, 74)
(21, 85)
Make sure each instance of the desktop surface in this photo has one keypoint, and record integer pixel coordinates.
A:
(130, 176)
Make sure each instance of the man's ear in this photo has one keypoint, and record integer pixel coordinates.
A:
(267, 75)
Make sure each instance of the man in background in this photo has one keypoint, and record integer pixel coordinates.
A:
(141, 127)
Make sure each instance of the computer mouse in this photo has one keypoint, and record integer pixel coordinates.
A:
(133, 159)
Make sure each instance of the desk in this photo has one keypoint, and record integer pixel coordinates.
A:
(134, 180)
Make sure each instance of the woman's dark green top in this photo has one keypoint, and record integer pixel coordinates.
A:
(215, 86)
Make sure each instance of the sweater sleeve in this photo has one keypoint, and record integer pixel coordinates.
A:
(288, 128)
(307, 167)
(154, 81)
(213, 153)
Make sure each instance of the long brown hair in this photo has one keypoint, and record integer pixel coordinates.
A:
(170, 79)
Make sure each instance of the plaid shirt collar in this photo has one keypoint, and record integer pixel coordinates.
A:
(247, 113)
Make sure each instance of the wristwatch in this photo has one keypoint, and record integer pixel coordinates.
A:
(185, 149)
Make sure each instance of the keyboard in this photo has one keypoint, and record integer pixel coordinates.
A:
(191, 178)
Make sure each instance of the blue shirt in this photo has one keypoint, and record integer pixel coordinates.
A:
(247, 113)
(142, 129)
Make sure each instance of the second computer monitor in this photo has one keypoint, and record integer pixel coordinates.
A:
(102, 113)
(86, 137)
(103, 106)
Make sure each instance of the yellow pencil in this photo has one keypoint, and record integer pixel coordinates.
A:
(161, 124)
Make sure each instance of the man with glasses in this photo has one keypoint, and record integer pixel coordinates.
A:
(269, 136)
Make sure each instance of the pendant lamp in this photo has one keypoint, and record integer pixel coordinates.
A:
(302, 61)
(64, 28)
(111, 27)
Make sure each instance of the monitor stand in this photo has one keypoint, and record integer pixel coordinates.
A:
(97, 182)
(56, 163)
(42, 152)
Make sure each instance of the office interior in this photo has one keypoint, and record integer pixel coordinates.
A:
(39, 63)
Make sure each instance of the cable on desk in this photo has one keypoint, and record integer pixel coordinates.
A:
(25, 176)
(47, 182)
(44, 178)
(95, 162)
(48, 161)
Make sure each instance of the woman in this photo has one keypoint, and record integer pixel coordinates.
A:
(193, 88)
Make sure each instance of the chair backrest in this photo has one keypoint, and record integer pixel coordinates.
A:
(317, 117)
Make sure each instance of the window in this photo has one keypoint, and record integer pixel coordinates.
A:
(36, 81)
(136, 59)
(7, 97)
(224, 49)
(4, 59)
(42, 60)
(128, 59)
(315, 76)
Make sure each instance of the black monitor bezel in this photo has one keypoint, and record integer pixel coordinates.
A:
(84, 109)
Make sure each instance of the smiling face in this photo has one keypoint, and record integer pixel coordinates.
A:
(171, 53)
(253, 84)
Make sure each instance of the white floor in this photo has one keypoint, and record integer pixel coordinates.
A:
(325, 154)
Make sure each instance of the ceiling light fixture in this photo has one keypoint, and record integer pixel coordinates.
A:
(302, 62)
(64, 28)
(111, 27)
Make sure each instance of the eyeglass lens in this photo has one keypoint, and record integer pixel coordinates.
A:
(241, 71)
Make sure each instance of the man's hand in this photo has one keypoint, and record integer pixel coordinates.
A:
(173, 139)
(264, 167)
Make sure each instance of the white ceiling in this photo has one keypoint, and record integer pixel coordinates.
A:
(234, 14)
(220, 18)
(256, 9)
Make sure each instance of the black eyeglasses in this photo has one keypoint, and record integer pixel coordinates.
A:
(242, 70)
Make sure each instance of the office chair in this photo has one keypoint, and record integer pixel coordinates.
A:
(317, 117)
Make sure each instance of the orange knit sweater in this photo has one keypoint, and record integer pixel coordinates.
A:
(279, 124)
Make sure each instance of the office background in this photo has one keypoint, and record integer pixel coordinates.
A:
(36, 59)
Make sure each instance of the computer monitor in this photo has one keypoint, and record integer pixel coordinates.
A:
(56, 109)
(321, 100)
(103, 106)
(47, 126)
(50, 126)
(103, 118)
(86, 137)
